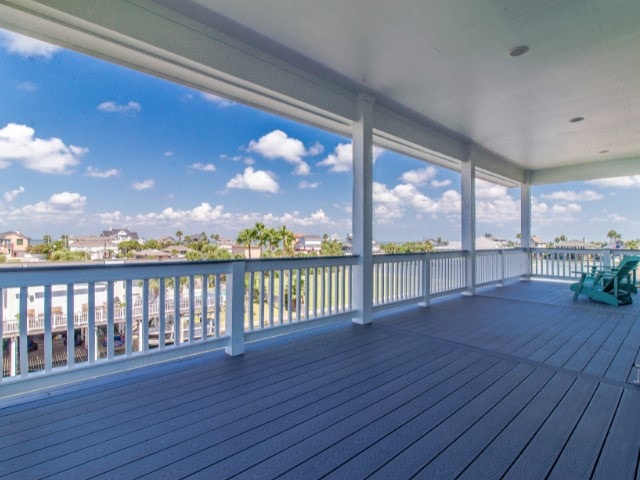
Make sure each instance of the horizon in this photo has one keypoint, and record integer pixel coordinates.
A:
(135, 151)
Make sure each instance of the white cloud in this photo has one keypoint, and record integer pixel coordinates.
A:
(440, 183)
(110, 218)
(307, 185)
(317, 218)
(572, 196)
(65, 206)
(202, 214)
(316, 149)
(632, 181)
(569, 208)
(341, 160)
(216, 100)
(277, 144)
(26, 46)
(257, 180)
(144, 185)
(11, 195)
(391, 204)
(17, 143)
(168, 153)
(113, 107)
(67, 199)
(419, 176)
(203, 167)
(97, 173)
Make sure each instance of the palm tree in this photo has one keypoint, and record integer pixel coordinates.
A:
(632, 245)
(246, 237)
(287, 237)
(561, 238)
(259, 234)
(179, 235)
(613, 236)
(46, 239)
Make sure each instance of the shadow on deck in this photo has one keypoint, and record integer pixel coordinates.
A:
(515, 382)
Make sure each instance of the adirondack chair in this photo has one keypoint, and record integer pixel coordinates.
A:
(612, 286)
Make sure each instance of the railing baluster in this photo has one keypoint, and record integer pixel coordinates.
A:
(91, 338)
(71, 338)
(48, 333)
(177, 319)
(204, 307)
(162, 312)
(192, 308)
(143, 333)
(129, 318)
(261, 300)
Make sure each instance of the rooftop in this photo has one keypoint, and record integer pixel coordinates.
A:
(517, 381)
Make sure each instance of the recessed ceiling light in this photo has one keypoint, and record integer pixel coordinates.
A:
(576, 119)
(603, 151)
(517, 51)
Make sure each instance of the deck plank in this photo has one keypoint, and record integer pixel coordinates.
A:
(619, 457)
(581, 452)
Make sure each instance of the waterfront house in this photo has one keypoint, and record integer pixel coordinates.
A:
(308, 243)
(296, 377)
(13, 244)
(118, 235)
(96, 247)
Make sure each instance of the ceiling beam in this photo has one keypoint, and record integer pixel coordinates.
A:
(587, 171)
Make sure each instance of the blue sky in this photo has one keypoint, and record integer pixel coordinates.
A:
(86, 145)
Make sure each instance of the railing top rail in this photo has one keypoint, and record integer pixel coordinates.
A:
(260, 264)
(66, 274)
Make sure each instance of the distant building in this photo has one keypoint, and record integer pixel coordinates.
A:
(308, 243)
(537, 242)
(120, 235)
(256, 251)
(13, 244)
(151, 254)
(577, 245)
(97, 248)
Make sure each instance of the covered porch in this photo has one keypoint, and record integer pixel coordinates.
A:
(514, 382)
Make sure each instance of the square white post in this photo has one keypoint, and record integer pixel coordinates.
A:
(525, 222)
(234, 317)
(468, 220)
(362, 215)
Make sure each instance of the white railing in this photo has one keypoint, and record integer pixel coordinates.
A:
(447, 273)
(128, 311)
(291, 291)
(496, 266)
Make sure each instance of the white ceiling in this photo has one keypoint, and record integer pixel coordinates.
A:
(447, 60)
(439, 70)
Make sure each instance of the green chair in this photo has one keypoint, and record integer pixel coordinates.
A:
(613, 286)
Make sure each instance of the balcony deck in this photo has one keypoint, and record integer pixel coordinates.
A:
(515, 382)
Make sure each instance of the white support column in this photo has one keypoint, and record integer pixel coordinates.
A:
(525, 221)
(468, 220)
(362, 215)
(234, 318)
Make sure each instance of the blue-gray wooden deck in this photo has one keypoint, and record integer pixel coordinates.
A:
(517, 382)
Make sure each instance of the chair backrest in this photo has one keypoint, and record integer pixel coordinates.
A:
(627, 265)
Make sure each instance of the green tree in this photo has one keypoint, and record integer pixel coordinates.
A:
(126, 247)
(331, 248)
(246, 237)
(288, 238)
(179, 236)
(152, 245)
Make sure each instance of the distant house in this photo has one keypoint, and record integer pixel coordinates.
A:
(577, 245)
(97, 248)
(256, 251)
(482, 243)
(120, 235)
(151, 254)
(308, 243)
(537, 242)
(13, 244)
